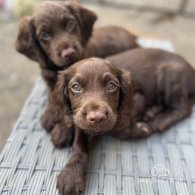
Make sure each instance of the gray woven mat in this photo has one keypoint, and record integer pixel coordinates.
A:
(163, 164)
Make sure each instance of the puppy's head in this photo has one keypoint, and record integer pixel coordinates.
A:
(56, 32)
(96, 92)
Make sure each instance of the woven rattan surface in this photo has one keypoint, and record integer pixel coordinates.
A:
(163, 164)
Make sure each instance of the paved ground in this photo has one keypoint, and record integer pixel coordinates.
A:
(18, 74)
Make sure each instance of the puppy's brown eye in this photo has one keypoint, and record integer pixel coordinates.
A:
(70, 25)
(111, 86)
(45, 36)
(76, 87)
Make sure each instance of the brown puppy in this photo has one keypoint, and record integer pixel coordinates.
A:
(163, 84)
(103, 98)
(57, 35)
(99, 97)
(163, 88)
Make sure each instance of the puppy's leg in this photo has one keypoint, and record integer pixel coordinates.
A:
(152, 112)
(54, 112)
(167, 118)
(72, 179)
(137, 130)
(160, 120)
(142, 128)
(62, 130)
(49, 119)
(62, 135)
(138, 107)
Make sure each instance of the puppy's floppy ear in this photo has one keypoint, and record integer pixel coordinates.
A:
(125, 97)
(85, 17)
(61, 91)
(25, 41)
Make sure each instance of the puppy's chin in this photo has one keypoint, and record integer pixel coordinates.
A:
(97, 128)
(66, 63)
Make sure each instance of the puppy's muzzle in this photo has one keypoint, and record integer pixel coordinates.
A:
(95, 117)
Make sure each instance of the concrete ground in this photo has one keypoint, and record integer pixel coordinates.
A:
(18, 74)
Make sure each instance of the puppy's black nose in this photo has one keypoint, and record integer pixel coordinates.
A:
(68, 53)
(95, 117)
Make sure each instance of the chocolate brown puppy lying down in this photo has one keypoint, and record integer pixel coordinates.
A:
(59, 34)
(102, 98)
(163, 84)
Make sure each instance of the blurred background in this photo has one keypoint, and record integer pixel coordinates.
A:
(172, 20)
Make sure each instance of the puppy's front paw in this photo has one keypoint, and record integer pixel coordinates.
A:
(70, 181)
(62, 136)
(47, 121)
(143, 129)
